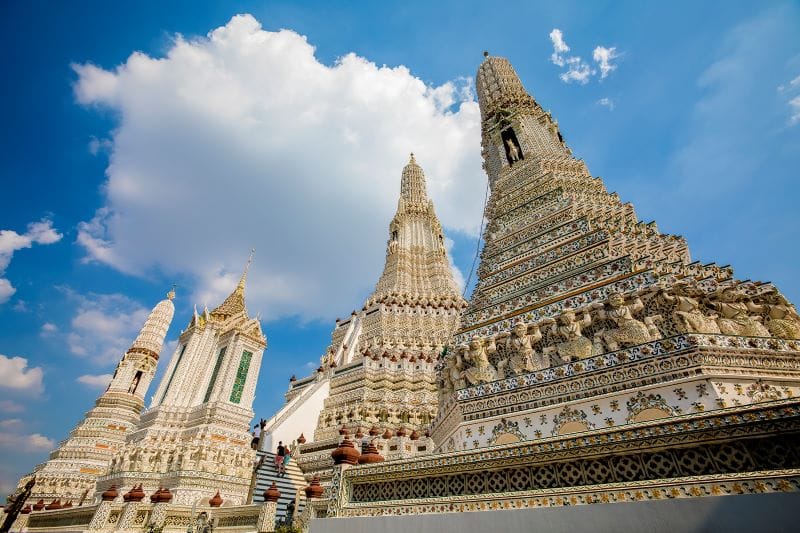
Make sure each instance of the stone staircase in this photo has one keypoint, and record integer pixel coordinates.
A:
(288, 485)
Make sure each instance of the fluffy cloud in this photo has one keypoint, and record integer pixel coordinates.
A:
(559, 47)
(17, 376)
(34, 442)
(41, 232)
(244, 139)
(578, 70)
(95, 381)
(104, 325)
(603, 57)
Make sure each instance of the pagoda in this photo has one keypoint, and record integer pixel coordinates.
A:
(73, 468)
(596, 362)
(194, 438)
(377, 380)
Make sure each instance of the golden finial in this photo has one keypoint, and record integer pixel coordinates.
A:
(246, 268)
(171, 293)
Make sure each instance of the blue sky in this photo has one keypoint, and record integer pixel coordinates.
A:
(122, 173)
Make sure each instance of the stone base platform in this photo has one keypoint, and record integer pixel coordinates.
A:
(765, 513)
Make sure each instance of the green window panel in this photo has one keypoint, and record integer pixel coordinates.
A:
(218, 364)
(241, 377)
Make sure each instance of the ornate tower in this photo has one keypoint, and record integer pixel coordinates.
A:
(73, 468)
(568, 273)
(194, 437)
(595, 363)
(380, 364)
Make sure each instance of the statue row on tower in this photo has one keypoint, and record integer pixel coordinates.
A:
(740, 309)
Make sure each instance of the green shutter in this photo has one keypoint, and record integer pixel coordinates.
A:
(241, 377)
(220, 357)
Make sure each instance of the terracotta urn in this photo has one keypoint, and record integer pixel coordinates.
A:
(314, 489)
(370, 455)
(110, 494)
(217, 500)
(272, 493)
(346, 453)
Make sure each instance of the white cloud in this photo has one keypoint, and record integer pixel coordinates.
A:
(794, 105)
(8, 406)
(95, 381)
(793, 84)
(559, 47)
(578, 70)
(41, 232)
(48, 329)
(603, 57)
(606, 102)
(104, 325)
(17, 376)
(10, 424)
(458, 276)
(26, 443)
(244, 139)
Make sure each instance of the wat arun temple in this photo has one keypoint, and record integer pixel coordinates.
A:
(597, 379)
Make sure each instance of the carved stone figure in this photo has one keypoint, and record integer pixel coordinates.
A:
(513, 152)
(686, 312)
(520, 350)
(452, 372)
(734, 309)
(481, 370)
(782, 318)
(575, 345)
(629, 330)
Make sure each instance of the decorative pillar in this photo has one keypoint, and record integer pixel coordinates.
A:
(128, 516)
(266, 517)
(101, 515)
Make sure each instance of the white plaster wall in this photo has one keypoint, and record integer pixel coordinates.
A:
(302, 420)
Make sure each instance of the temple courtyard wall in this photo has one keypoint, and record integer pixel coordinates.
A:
(746, 513)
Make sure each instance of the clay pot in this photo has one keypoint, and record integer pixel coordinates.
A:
(165, 496)
(373, 431)
(370, 455)
(110, 494)
(387, 434)
(301, 439)
(38, 506)
(55, 504)
(346, 453)
(26, 510)
(414, 435)
(272, 493)
(314, 490)
(401, 432)
(136, 494)
(216, 501)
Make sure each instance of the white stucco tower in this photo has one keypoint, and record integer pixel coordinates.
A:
(194, 437)
(72, 469)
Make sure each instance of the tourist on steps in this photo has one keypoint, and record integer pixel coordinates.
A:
(281, 453)
(287, 458)
(256, 437)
